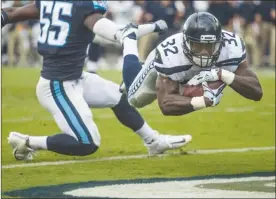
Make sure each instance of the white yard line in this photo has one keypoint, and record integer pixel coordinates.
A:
(207, 151)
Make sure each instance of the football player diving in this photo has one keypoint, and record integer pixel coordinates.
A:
(202, 52)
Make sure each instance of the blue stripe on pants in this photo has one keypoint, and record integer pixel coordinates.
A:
(69, 112)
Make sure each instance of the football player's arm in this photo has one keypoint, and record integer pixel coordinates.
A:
(172, 103)
(16, 14)
(246, 83)
(98, 24)
(101, 26)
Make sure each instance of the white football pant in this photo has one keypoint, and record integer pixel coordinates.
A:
(69, 103)
(142, 91)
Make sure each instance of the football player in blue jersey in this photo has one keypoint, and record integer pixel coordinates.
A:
(68, 92)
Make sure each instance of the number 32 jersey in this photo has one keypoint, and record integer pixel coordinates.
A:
(64, 38)
(171, 61)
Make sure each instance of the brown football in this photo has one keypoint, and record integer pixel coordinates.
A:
(196, 91)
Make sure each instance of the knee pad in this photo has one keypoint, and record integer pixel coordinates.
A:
(141, 99)
(142, 91)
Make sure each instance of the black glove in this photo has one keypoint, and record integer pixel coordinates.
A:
(4, 18)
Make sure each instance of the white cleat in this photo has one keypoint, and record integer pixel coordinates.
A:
(160, 26)
(129, 31)
(20, 150)
(167, 142)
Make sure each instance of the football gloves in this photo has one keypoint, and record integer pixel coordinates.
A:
(206, 76)
(213, 95)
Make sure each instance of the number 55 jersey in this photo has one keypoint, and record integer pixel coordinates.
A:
(168, 59)
(64, 38)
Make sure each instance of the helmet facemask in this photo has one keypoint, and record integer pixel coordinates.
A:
(204, 52)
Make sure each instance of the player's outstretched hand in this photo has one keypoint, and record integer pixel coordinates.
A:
(206, 76)
(211, 98)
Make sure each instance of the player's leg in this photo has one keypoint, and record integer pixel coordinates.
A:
(131, 65)
(102, 93)
(94, 53)
(142, 91)
(108, 95)
(65, 101)
(73, 117)
(139, 81)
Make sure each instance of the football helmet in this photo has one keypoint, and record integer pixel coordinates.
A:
(202, 39)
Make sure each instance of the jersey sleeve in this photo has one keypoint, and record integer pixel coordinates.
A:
(243, 57)
(168, 68)
(89, 7)
(170, 60)
(233, 51)
(160, 67)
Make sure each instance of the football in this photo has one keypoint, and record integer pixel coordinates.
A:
(196, 91)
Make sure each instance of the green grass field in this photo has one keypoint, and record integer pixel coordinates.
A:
(235, 123)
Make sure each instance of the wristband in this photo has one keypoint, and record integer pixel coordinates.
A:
(227, 76)
(198, 103)
(4, 18)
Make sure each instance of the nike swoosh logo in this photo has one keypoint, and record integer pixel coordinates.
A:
(179, 142)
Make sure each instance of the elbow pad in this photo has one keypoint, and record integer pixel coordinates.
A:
(106, 28)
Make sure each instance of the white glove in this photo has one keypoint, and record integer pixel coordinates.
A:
(213, 96)
(217, 99)
(205, 76)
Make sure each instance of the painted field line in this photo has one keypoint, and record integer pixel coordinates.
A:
(207, 151)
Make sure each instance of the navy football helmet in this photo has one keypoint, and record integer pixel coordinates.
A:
(202, 39)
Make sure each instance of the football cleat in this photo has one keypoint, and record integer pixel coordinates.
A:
(129, 31)
(160, 26)
(167, 142)
(18, 142)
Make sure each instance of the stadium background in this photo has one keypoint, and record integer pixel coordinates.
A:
(236, 123)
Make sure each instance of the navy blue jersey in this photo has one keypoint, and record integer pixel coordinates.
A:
(64, 38)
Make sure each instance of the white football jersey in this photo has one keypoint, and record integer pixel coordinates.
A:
(171, 61)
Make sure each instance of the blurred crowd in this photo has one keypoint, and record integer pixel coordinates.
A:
(254, 21)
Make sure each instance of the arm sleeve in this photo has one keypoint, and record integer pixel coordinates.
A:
(89, 7)
(243, 57)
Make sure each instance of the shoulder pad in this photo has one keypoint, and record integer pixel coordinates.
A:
(88, 7)
(233, 50)
(170, 58)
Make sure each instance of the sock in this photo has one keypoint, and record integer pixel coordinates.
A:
(131, 65)
(68, 145)
(145, 29)
(128, 115)
(147, 133)
(38, 142)
(130, 47)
